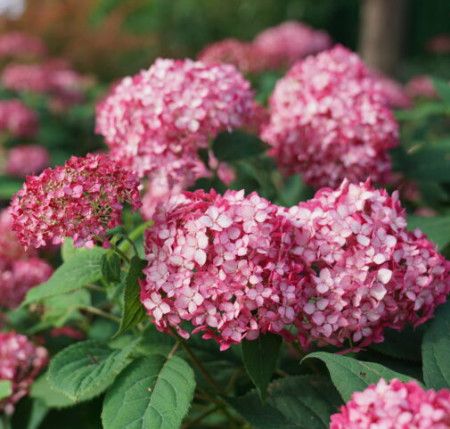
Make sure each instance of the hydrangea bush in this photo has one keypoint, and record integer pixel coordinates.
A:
(210, 260)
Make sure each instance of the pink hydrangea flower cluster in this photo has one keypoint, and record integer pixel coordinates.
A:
(394, 93)
(82, 200)
(395, 405)
(329, 121)
(163, 115)
(20, 363)
(421, 86)
(17, 277)
(243, 55)
(20, 45)
(17, 119)
(24, 160)
(53, 78)
(337, 269)
(222, 263)
(367, 271)
(289, 42)
(19, 270)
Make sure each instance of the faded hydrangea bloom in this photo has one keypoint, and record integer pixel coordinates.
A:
(17, 119)
(20, 45)
(329, 121)
(25, 160)
(82, 200)
(395, 405)
(20, 363)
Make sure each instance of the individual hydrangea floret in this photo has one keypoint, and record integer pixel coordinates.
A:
(20, 363)
(82, 200)
(368, 272)
(395, 405)
(171, 110)
(17, 119)
(221, 263)
(25, 160)
(283, 45)
(329, 121)
(20, 45)
(17, 277)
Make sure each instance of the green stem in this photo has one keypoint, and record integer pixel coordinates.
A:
(121, 253)
(193, 423)
(135, 234)
(98, 312)
(6, 421)
(207, 376)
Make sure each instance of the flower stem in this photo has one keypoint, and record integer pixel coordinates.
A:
(98, 312)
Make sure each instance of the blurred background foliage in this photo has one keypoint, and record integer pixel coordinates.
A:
(111, 38)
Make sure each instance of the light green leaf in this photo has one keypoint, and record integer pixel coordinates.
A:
(41, 390)
(153, 392)
(298, 402)
(81, 269)
(38, 412)
(437, 228)
(260, 359)
(5, 389)
(436, 350)
(133, 310)
(86, 369)
(350, 375)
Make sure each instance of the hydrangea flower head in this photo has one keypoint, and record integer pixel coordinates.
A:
(395, 405)
(11, 248)
(20, 45)
(244, 56)
(289, 42)
(171, 110)
(221, 263)
(25, 160)
(82, 200)
(20, 363)
(368, 272)
(17, 277)
(17, 119)
(329, 121)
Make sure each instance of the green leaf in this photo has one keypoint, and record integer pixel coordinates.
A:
(86, 369)
(237, 145)
(8, 187)
(133, 310)
(442, 87)
(437, 228)
(298, 402)
(81, 269)
(153, 392)
(436, 350)
(350, 375)
(5, 388)
(111, 266)
(260, 359)
(41, 390)
(38, 412)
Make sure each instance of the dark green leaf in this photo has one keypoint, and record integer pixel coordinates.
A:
(237, 145)
(350, 375)
(84, 370)
(299, 402)
(81, 269)
(436, 350)
(153, 392)
(133, 310)
(260, 359)
(111, 266)
(442, 87)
